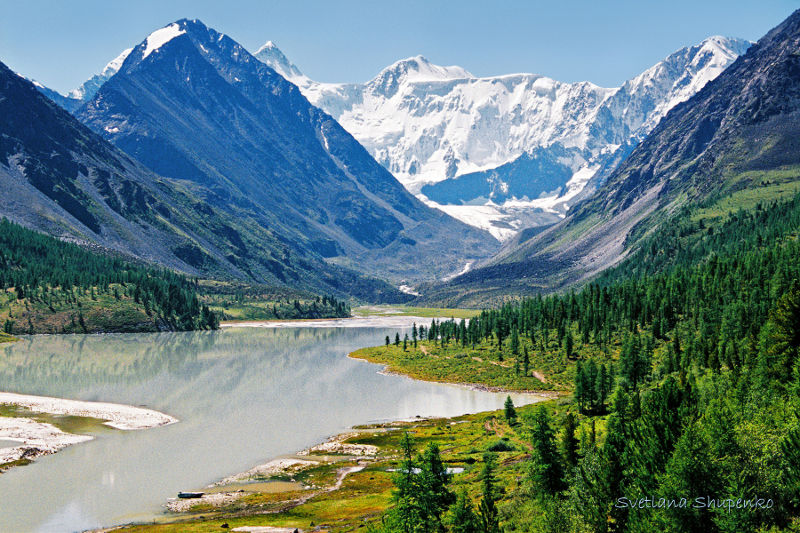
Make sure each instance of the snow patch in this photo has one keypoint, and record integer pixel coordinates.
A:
(115, 64)
(159, 38)
(464, 270)
(408, 289)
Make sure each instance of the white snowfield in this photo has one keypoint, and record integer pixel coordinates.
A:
(38, 438)
(427, 123)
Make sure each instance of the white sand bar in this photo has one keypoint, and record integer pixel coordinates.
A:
(35, 438)
(118, 416)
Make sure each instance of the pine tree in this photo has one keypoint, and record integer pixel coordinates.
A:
(405, 516)
(546, 470)
(568, 344)
(462, 517)
(509, 411)
(432, 493)
(525, 361)
(569, 443)
(790, 447)
(514, 342)
(487, 509)
(397, 339)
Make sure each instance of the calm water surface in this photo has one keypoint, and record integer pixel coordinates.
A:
(243, 396)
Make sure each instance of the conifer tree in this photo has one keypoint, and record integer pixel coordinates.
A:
(546, 469)
(509, 411)
(487, 510)
(514, 342)
(462, 518)
(569, 443)
(525, 361)
(432, 493)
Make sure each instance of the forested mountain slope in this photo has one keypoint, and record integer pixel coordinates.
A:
(59, 177)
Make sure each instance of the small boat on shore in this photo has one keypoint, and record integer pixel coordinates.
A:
(187, 495)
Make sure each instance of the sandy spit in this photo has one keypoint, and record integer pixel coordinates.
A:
(272, 468)
(39, 438)
(118, 416)
(35, 438)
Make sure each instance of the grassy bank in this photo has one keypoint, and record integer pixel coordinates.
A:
(480, 367)
(366, 494)
(4, 337)
(489, 364)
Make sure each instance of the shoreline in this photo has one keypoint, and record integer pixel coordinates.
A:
(40, 438)
(378, 321)
(546, 394)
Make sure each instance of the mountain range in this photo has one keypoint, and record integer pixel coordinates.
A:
(733, 146)
(60, 178)
(193, 105)
(229, 172)
(572, 177)
(505, 152)
(501, 153)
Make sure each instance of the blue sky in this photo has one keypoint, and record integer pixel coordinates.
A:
(604, 41)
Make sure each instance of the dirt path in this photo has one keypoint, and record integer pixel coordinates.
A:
(539, 376)
(492, 425)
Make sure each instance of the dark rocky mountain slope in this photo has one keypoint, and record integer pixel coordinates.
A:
(193, 105)
(59, 177)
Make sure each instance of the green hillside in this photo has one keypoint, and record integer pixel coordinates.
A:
(50, 286)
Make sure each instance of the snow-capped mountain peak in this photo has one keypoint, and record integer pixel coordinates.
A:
(271, 55)
(89, 88)
(535, 142)
(414, 70)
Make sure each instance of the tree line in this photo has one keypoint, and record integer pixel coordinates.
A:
(694, 391)
(43, 269)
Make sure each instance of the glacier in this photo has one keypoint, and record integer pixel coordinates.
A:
(431, 124)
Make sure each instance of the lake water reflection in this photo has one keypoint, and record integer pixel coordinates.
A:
(243, 396)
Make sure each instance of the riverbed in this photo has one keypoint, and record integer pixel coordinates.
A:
(243, 395)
